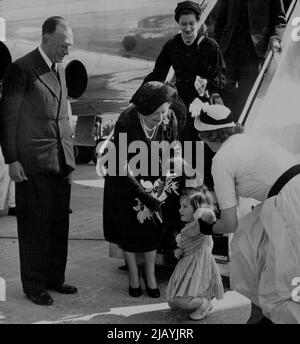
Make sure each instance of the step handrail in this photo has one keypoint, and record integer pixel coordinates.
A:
(251, 98)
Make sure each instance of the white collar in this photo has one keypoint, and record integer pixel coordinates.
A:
(45, 57)
(191, 42)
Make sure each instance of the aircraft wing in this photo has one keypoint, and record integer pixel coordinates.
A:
(100, 27)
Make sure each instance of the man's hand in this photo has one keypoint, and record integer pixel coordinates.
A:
(274, 44)
(16, 172)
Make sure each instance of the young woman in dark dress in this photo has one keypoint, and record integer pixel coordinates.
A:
(132, 214)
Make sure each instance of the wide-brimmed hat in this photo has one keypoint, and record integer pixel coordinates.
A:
(211, 117)
(186, 5)
(150, 96)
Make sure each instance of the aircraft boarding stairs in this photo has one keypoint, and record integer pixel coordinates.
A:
(273, 107)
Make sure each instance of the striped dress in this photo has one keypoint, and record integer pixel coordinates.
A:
(196, 274)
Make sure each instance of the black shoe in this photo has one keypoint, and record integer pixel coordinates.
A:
(12, 211)
(135, 292)
(42, 299)
(155, 293)
(64, 288)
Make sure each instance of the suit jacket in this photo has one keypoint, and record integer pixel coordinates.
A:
(34, 117)
(266, 19)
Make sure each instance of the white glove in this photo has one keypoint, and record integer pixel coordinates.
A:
(200, 85)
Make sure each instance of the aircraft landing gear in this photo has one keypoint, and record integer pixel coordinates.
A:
(84, 154)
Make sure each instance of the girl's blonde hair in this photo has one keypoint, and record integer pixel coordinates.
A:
(200, 197)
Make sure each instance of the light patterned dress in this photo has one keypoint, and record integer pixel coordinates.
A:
(196, 274)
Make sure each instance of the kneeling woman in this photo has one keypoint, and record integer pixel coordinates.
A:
(266, 244)
(132, 217)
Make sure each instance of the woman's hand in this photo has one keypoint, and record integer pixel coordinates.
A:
(150, 202)
(200, 85)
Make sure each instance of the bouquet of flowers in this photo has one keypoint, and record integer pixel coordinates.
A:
(159, 190)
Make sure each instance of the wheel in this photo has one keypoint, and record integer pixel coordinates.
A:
(94, 156)
(83, 154)
(129, 42)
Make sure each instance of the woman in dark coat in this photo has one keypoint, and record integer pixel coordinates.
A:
(132, 211)
(191, 54)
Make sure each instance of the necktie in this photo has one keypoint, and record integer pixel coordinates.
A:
(54, 70)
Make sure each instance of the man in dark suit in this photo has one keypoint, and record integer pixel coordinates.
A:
(37, 145)
(245, 31)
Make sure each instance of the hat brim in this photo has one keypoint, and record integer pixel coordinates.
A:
(200, 126)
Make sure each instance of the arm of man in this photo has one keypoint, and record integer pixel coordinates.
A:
(221, 19)
(277, 24)
(216, 69)
(13, 94)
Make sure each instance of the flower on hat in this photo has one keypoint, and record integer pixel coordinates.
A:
(210, 117)
(196, 106)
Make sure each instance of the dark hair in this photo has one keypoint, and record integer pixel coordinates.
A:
(221, 135)
(187, 7)
(51, 24)
(187, 11)
(200, 197)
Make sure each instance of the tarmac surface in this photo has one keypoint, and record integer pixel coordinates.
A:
(103, 289)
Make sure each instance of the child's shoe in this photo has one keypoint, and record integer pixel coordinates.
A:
(201, 312)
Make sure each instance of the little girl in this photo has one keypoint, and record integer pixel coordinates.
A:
(196, 279)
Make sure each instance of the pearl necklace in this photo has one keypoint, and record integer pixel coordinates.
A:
(146, 129)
